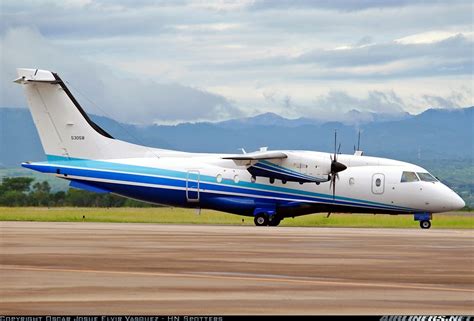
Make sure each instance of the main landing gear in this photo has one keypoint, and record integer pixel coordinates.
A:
(264, 219)
(261, 219)
(424, 219)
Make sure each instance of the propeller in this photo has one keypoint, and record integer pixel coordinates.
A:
(336, 167)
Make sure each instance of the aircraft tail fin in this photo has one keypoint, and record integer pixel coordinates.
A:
(64, 127)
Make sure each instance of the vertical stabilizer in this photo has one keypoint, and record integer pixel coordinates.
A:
(63, 126)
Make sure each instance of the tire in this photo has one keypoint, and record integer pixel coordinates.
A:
(275, 221)
(261, 219)
(425, 224)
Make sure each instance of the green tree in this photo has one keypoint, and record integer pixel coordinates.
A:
(13, 191)
(19, 184)
(16, 191)
(58, 198)
(40, 196)
(75, 197)
(13, 198)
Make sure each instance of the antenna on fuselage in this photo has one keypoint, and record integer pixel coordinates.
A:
(358, 152)
(358, 141)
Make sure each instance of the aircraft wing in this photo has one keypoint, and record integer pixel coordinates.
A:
(260, 164)
(256, 156)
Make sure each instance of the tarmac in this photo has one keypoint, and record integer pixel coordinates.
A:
(114, 268)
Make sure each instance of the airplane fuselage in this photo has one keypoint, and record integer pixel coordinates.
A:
(268, 185)
(368, 185)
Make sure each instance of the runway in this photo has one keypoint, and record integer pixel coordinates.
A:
(108, 268)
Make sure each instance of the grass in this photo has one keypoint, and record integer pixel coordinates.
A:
(167, 215)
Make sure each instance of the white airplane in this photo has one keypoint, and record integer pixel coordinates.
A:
(266, 185)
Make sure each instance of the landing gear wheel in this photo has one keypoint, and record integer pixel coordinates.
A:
(261, 220)
(274, 221)
(425, 224)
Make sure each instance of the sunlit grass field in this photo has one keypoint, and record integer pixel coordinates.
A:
(167, 215)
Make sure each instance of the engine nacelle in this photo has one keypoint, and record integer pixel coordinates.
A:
(294, 168)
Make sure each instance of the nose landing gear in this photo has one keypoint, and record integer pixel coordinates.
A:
(425, 220)
(425, 224)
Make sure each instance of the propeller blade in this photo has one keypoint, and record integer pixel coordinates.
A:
(334, 188)
(335, 167)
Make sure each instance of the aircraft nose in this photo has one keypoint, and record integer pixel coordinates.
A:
(459, 202)
(454, 202)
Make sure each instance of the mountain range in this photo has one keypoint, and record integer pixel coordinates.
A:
(434, 134)
(352, 117)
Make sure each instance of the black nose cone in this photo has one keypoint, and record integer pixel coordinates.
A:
(337, 167)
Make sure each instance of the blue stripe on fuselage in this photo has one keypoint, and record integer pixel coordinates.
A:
(176, 179)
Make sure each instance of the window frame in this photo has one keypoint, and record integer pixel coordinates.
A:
(409, 181)
(422, 174)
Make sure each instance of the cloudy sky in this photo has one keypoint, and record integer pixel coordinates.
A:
(170, 61)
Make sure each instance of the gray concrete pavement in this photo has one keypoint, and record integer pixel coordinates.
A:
(105, 268)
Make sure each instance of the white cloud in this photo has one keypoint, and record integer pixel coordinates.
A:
(207, 27)
(125, 98)
(222, 5)
(430, 37)
(229, 53)
(75, 3)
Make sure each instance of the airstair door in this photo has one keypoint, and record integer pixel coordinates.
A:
(192, 186)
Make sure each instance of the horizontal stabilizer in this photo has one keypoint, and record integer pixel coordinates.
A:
(35, 75)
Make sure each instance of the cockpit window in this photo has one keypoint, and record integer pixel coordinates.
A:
(409, 177)
(427, 177)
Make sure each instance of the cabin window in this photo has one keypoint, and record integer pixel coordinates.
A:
(427, 177)
(378, 182)
(236, 179)
(219, 178)
(409, 177)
